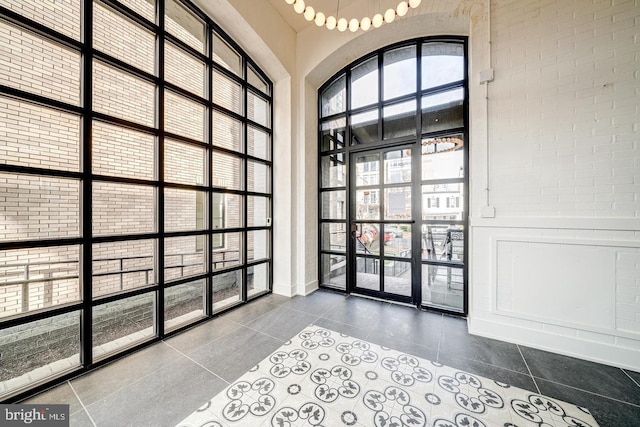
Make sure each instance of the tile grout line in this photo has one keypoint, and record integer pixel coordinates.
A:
(203, 367)
(630, 377)
(529, 369)
(590, 392)
(440, 337)
(82, 403)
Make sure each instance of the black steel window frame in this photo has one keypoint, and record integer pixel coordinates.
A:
(84, 111)
(380, 143)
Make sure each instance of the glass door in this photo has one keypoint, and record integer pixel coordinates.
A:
(382, 224)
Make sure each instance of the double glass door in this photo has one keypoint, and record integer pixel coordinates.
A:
(382, 224)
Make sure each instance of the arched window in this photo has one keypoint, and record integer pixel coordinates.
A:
(393, 150)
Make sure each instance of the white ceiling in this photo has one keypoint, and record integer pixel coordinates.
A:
(297, 22)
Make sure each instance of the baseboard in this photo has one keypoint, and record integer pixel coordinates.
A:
(608, 354)
(308, 288)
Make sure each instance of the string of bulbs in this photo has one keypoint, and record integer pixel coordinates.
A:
(354, 24)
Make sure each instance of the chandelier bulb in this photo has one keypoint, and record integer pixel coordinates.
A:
(354, 24)
(289, 1)
(331, 22)
(320, 19)
(377, 21)
(389, 16)
(299, 6)
(309, 13)
(342, 24)
(365, 23)
(402, 9)
(414, 3)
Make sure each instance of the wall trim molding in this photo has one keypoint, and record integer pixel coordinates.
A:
(495, 240)
(566, 223)
(608, 354)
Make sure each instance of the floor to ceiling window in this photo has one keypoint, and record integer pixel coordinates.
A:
(393, 161)
(135, 180)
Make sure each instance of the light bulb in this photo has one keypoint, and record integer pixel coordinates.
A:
(377, 20)
(298, 6)
(365, 23)
(309, 13)
(414, 3)
(402, 9)
(320, 19)
(289, 1)
(353, 25)
(331, 22)
(342, 24)
(389, 16)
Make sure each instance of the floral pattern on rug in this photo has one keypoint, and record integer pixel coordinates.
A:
(322, 378)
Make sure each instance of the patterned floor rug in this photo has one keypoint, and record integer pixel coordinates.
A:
(323, 378)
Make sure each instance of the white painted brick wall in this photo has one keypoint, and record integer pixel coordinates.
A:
(563, 108)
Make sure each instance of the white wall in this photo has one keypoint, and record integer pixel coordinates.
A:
(554, 148)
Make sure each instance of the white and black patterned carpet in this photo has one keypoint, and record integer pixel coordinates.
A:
(325, 379)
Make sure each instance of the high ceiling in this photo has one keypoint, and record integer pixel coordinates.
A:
(298, 23)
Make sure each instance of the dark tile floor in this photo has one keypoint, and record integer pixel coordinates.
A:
(164, 383)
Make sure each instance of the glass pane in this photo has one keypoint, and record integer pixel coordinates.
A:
(226, 289)
(123, 208)
(183, 69)
(397, 277)
(184, 163)
(227, 93)
(32, 279)
(257, 279)
(183, 116)
(226, 171)
(368, 239)
(334, 237)
(368, 273)
(226, 56)
(333, 205)
(257, 245)
(334, 134)
(121, 324)
(227, 250)
(122, 152)
(31, 135)
(227, 212)
(120, 266)
(399, 120)
(442, 63)
(334, 271)
(368, 204)
(443, 286)
(443, 243)
(364, 127)
(397, 203)
(254, 79)
(443, 158)
(258, 177)
(38, 207)
(258, 211)
(184, 257)
(258, 143)
(397, 166)
(184, 25)
(258, 109)
(122, 95)
(62, 16)
(38, 66)
(121, 38)
(184, 210)
(367, 169)
(183, 304)
(333, 170)
(334, 97)
(443, 111)
(226, 132)
(364, 83)
(55, 340)
(443, 202)
(399, 72)
(397, 240)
